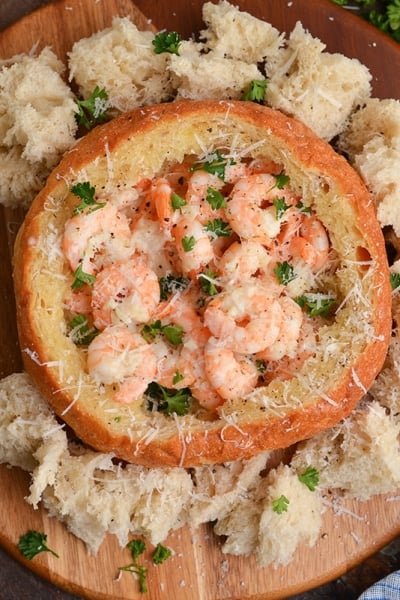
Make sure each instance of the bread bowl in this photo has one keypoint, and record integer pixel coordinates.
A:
(128, 153)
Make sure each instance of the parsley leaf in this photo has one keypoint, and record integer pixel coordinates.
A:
(207, 281)
(280, 505)
(177, 201)
(80, 331)
(167, 400)
(188, 242)
(310, 478)
(80, 278)
(160, 554)
(316, 304)
(395, 280)
(171, 284)
(86, 193)
(255, 91)
(173, 333)
(215, 199)
(167, 41)
(216, 165)
(32, 543)
(218, 228)
(92, 110)
(280, 207)
(284, 272)
(137, 547)
(281, 180)
(303, 208)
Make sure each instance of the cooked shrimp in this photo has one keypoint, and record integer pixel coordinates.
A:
(232, 375)
(199, 183)
(171, 369)
(246, 318)
(119, 356)
(126, 292)
(246, 210)
(246, 262)
(79, 302)
(287, 342)
(161, 194)
(312, 243)
(103, 230)
(193, 245)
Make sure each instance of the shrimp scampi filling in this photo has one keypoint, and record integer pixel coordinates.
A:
(206, 281)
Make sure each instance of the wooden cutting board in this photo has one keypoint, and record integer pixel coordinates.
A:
(353, 530)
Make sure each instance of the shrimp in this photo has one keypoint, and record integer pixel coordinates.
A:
(199, 184)
(288, 339)
(171, 370)
(161, 194)
(126, 292)
(246, 318)
(312, 243)
(232, 375)
(247, 262)
(193, 244)
(250, 211)
(86, 234)
(119, 356)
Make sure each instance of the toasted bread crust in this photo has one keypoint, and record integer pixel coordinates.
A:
(328, 386)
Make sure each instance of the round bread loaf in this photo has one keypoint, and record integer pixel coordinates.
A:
(350, 343)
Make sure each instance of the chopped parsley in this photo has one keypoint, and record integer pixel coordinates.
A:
(255, 91)
(216, 165)
(81, 333)
(177, 201)
(284, 272)
(280, 505)
(281, 180)
(385, 15)
(168, 401)
(92, 110)
(80, 278)
(167, 41)
(32, 543)
(207, 281)
(160, 554)
(218, 228)
(395, 280)
(188, 243)
(137, 547)
(280, 207)
(316, 304)
(310, 478)
(303, 208)
(215, 199)
(171, 284)
(172, 333)
(86, 193)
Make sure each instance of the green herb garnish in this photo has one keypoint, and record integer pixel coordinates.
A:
(167, 41)
(284, 272)
(188, 243)
(281, 180)
(86, 193)
(173, 333)
(310, 478)
(168, 401)
(316, 304)
(255, 91)
(280, 505)
(171, 284)
(80, 278)
(218, 228)
(215, 199)
(280, 207)
(207, 281)
(216, 165)
(160, 554)
(80, 331)
(32, 543)
(137, 547)
(92, 110)
(395, 280)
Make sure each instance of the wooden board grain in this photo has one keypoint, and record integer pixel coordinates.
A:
(198, 569)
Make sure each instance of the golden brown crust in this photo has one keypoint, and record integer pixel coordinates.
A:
(353, 348)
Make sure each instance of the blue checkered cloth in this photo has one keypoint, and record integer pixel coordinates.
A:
(385, 589)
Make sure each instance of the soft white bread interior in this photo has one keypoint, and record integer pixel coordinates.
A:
(351, 346)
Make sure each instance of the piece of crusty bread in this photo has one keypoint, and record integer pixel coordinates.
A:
(351, 348)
